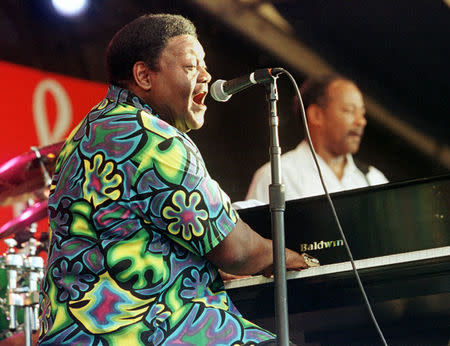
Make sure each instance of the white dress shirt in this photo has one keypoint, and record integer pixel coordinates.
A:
(301, 178)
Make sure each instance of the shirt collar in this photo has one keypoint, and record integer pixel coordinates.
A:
(349, 165)
(126, 96)
(122, 95)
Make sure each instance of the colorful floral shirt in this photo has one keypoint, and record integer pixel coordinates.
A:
(132, 213)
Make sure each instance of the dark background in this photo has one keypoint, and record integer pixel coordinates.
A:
(397, 51)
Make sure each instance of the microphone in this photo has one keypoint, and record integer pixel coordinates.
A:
(222, 90)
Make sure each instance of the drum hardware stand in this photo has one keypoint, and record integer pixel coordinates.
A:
(30, 268)
(14, 265)
(47, 178)
(35, 266)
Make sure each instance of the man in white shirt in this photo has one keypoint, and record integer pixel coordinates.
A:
(336, 119)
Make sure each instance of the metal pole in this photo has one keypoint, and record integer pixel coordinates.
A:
(277, 207)
(28, 325)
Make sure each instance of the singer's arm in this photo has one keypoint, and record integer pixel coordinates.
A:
(245, 252)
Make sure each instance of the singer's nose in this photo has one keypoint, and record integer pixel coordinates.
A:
(204, 76)
(360, 118)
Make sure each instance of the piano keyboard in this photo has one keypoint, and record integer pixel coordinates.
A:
(335, 268)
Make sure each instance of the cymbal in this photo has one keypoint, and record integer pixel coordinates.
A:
(36, 212)
(24, 174)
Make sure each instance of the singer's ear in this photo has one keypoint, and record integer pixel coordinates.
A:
(315, 115)
(142, 75)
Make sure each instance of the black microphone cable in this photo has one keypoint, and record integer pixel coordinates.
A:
(335, 216)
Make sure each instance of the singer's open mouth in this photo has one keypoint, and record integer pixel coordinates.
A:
(355, 133)
(200, 98)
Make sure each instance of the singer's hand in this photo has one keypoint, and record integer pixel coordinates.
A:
(294, 261)
(227, 276)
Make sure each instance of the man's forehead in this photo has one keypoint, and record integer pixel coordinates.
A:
(340, 84)
(185, 44)
(344, 90)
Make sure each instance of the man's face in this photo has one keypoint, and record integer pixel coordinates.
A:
(180, 85)
(344, 120)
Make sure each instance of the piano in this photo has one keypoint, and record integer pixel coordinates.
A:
(399, 235)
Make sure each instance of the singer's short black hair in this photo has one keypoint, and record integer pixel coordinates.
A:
(143, 39)
(314, 89)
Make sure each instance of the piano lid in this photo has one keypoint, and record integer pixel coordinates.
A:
(377, 220)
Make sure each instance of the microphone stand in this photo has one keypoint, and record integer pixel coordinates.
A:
(277, 207)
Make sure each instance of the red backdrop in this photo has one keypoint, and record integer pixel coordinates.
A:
(39, 108)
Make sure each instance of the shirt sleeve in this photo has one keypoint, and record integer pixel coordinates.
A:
(177, 196)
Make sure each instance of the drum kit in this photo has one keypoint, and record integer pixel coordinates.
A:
(24, 180)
